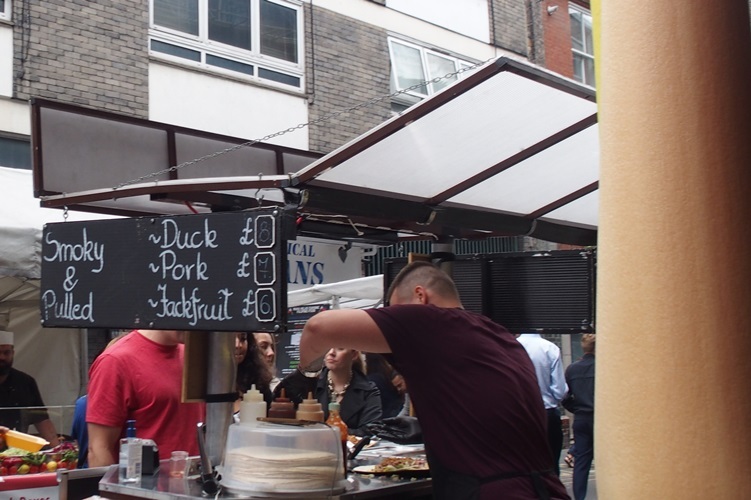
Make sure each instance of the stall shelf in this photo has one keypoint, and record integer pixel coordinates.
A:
(161, 486)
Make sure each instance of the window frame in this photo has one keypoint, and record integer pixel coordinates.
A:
(413, 96)
(6, 13)
(205, 47)
(581, 53)
(23, 141)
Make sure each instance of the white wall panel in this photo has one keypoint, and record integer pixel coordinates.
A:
(6, 60)
(468, 17)
(421, 30)
(15, 117)
(204, 102)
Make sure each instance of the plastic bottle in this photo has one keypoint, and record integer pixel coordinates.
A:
(282, 407)
(252, 406)
(310, 409)
(131, 455)
(335, 421)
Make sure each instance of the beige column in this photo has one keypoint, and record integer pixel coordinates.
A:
(673, 415)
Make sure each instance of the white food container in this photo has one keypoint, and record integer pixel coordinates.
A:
(271, 458)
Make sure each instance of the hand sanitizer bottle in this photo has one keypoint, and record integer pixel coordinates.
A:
(131, 458)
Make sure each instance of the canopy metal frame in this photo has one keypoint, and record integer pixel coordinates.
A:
(432, 171)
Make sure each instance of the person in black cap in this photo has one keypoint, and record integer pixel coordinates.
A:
(21, 403)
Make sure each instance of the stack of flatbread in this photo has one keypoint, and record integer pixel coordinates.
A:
(269, 469)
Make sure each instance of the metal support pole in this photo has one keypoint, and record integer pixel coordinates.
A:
(443, 255)
(220, 380)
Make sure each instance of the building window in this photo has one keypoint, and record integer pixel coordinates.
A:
(15, 153)
(5, 9)
(255, 39)
(582, 45)
(413, 65)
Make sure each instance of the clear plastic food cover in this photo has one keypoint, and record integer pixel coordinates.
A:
(276, 458)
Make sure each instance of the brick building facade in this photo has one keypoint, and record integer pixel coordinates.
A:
(93, 54)
(341, 46)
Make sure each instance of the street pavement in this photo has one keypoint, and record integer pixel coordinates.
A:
(567, 478)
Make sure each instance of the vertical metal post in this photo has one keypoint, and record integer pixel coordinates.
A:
(220, 380)
(443, 255)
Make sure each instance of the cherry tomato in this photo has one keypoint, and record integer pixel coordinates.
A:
(3, 471)
(33, 469)
(62, 464)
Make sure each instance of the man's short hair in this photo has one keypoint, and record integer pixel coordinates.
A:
(425, 274)
(588, 343)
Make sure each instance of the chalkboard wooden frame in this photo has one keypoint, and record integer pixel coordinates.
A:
(220, 271)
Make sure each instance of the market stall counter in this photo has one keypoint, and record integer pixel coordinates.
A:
(29, 486)
(368, 485)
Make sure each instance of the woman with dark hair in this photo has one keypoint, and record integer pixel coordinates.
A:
(252, 369)
(267, 346)
(382, 374)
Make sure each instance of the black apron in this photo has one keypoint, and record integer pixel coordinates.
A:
(450, 485)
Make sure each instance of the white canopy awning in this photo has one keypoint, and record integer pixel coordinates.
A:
(511, 149)
(355, 293)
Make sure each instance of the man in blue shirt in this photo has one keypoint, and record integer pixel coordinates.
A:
(546, 357)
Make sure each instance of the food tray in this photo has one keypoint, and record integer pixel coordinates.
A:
(371, 469)
(15, 439)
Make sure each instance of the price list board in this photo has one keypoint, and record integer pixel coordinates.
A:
(221, 272)
(288, 345)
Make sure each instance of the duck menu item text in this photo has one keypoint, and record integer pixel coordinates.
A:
(222, 271)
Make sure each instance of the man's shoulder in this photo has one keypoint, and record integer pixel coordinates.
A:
(579, 364)
(19, 376)
(538, 342)
(362, 382)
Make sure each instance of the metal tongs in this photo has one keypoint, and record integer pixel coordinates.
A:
(208, 475)
(358, 447)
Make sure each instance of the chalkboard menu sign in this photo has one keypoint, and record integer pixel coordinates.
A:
(222, 272)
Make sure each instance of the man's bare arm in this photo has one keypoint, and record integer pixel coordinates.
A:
(103, 442)
(349, 328)
(47, 430)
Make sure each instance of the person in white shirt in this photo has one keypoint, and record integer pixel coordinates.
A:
(546, 357)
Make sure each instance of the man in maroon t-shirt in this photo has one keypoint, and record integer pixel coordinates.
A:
(472, 385)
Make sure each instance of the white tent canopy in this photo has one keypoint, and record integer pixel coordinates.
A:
(21, 223)
(352, 294)
(52, 356)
